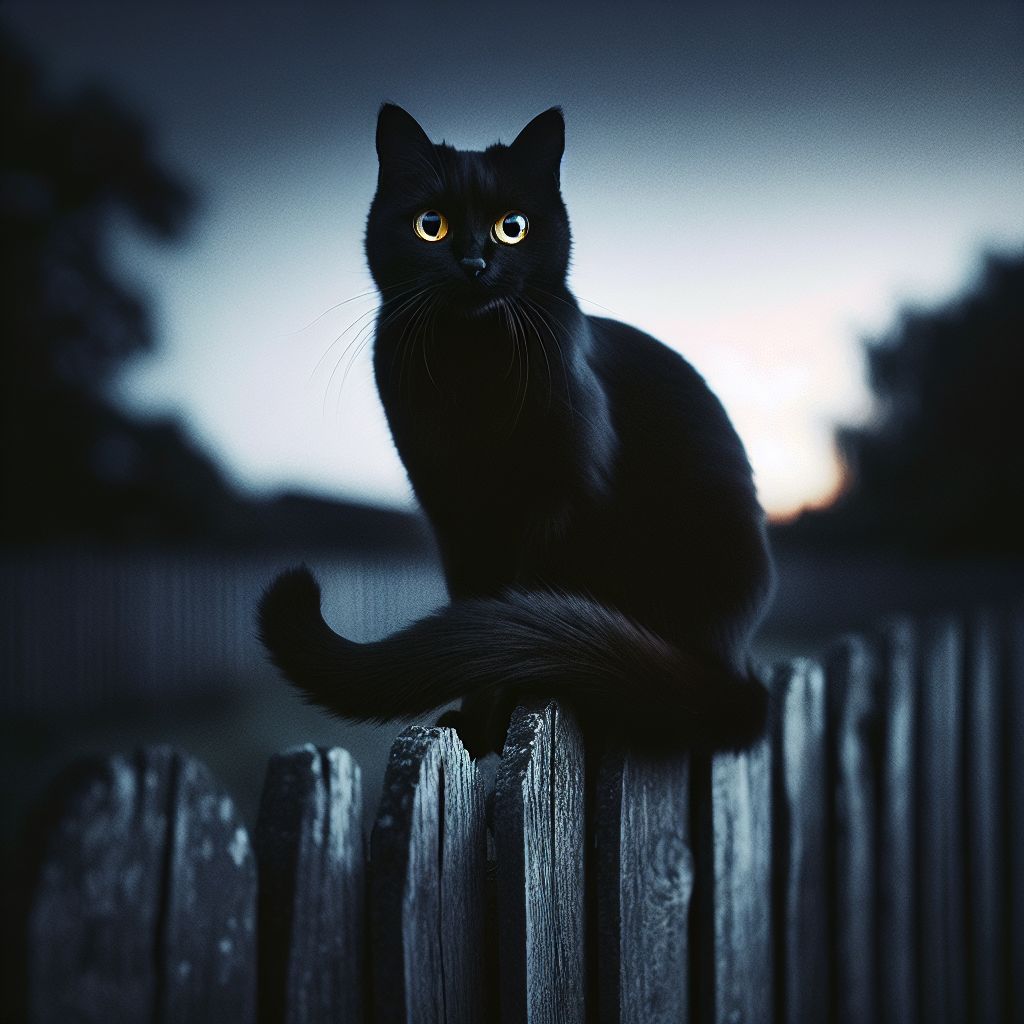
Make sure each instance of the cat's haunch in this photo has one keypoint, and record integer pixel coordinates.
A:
(594, 508)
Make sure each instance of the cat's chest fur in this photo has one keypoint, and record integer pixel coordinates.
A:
(475, 409)
(499, 451)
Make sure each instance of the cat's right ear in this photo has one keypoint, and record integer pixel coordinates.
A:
(401, 142)
(542, 141)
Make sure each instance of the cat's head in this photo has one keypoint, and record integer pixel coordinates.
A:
(471, 227)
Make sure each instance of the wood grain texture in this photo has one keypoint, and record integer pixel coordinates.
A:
(540, 851)
(897, 856)
(942, 923)
(740, 791)
(984, 824)
(145, 902)
(428, 874)
(851, 675)
(800, 843)
(312, 921)
(644, 882)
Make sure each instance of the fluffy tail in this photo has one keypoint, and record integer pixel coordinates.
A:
(527, 643)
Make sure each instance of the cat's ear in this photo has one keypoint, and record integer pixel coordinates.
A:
(542, 141)
(400, 140)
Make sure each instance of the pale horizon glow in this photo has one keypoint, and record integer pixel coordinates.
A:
(756, 190)
(299, 409)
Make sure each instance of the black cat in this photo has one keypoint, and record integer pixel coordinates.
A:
(600, 531)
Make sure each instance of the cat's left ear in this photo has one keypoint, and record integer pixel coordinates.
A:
(542, 141)
(402, 145)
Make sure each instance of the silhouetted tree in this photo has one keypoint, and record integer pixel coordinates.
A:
(72, 463)
(68, 167)
(940, 468)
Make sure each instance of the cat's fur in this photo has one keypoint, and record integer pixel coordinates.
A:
(599, 527)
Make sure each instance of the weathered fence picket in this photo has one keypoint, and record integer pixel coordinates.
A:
(941, 981)
(738, 881)
(145, 901)
(982, 708)
(897, 837)
(644, 881)
(850, 675)
(800, 844)
(91, 853)
(312, 922)
(1013, 809)
(209, 923)
(539, 831)
(863, 862)
(428, 872)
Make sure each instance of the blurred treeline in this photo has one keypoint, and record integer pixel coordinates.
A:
(938, 471)
(75, 467)
(72, 464)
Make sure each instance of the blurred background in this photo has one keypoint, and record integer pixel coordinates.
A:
(822, 209)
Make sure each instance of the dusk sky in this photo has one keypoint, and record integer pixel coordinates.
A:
(758, 188)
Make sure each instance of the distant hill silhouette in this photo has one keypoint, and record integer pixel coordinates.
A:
(940, 468)
(74, 467)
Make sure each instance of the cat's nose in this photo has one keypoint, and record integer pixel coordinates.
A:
(473, 265)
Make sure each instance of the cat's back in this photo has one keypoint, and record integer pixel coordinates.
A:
(690, 544)
(663, 408)
(619, 345)
(632, 364)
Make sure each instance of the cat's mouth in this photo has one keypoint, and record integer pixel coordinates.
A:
(474, 301)
(481, 306)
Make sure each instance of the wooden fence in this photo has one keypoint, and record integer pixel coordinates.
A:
(863, 863)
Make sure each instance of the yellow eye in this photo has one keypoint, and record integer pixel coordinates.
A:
(510, 229)
(431, 225)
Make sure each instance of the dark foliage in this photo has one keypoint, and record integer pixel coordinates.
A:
(72, 464)
(69, 166)
(940, 469)
(74, 467)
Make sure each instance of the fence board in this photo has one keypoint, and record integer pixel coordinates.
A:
(428, 872)
(800, 843)
(741, 897)
(983, 709)
(644, 881)
(92, 928)
(898, 780)
(942, 923)
(540, 849)
(1013, 648)
(209, 938)
(309, 846)
(145, 903)
(853, 713)
(862, 863)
